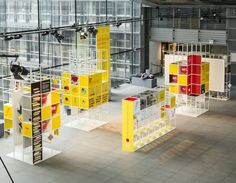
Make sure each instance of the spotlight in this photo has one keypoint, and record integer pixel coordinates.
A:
(18, 71)
(18, 36)
(214, 14)
(78, 29)
(117, 24)
(83, 34)
(58, 36)
(201, 18)
(8, 38)
(45, 33)
(92, 30)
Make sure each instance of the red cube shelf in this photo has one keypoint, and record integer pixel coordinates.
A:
(194, 59)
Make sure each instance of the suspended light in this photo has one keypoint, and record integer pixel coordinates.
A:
(92, 30)
(58, 36)
(45, 33)
(8, 38)
(18, 36)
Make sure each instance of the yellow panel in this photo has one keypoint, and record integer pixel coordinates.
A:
(84, 80)
(56, 122)
(174, 89)
(128, 126)
(172, 101)
(205, 78)
(98, 100)
(105, 98)
(104, 87)
(87, 92)
(26, 129)
(75, 90)
(97, 78)
(46, 112)
(66, 75)
(8, 111)
(105, 76)
(55, 81)
(162, 112)
(65, 82)
(86, 103)
(55, 97)
(205, 67)
(173, 69)
(8, 124)
(75, 101)
(206, 87)
(182, 80)
(66, 100)
(103, 43)
(98, 89)
(161, 95)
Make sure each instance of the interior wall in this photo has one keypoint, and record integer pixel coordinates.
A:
(154, 56)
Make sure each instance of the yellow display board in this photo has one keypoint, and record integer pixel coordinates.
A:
(103, 43)
(146, 117)
(8, 121)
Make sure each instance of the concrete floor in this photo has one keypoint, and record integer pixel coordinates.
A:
(201, 150)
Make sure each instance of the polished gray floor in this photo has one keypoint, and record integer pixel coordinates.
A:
(201, 150)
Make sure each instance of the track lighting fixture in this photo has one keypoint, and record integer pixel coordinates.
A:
(8, 38)
(58, 36)
(18, 36)
(117, 23)
(83, 34)
(78, 29)
(17, 70)
(45, 33)
(92, 30)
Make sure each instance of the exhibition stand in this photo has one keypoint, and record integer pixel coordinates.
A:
(32, 117)
(147, 117)
(189, 81)
(219, 70)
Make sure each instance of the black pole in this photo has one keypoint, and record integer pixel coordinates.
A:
(39, 36)
(6, 170)
(106, 10)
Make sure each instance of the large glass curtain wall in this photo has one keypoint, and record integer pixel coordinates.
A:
(21, 15)
(213, 18)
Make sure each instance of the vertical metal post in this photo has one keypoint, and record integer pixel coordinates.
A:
(76, 37)
(39, 36)
(106, 9)
(132, 37)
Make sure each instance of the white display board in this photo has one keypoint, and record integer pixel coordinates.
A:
(217, 71)
(217, 74)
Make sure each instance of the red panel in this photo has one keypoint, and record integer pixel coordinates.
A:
(196, 79)
(194, 59)
(196, 69)
(185, 90)
(189, 69)
(196, 89)
(131, 98)
(183, 69)
(189, 79)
